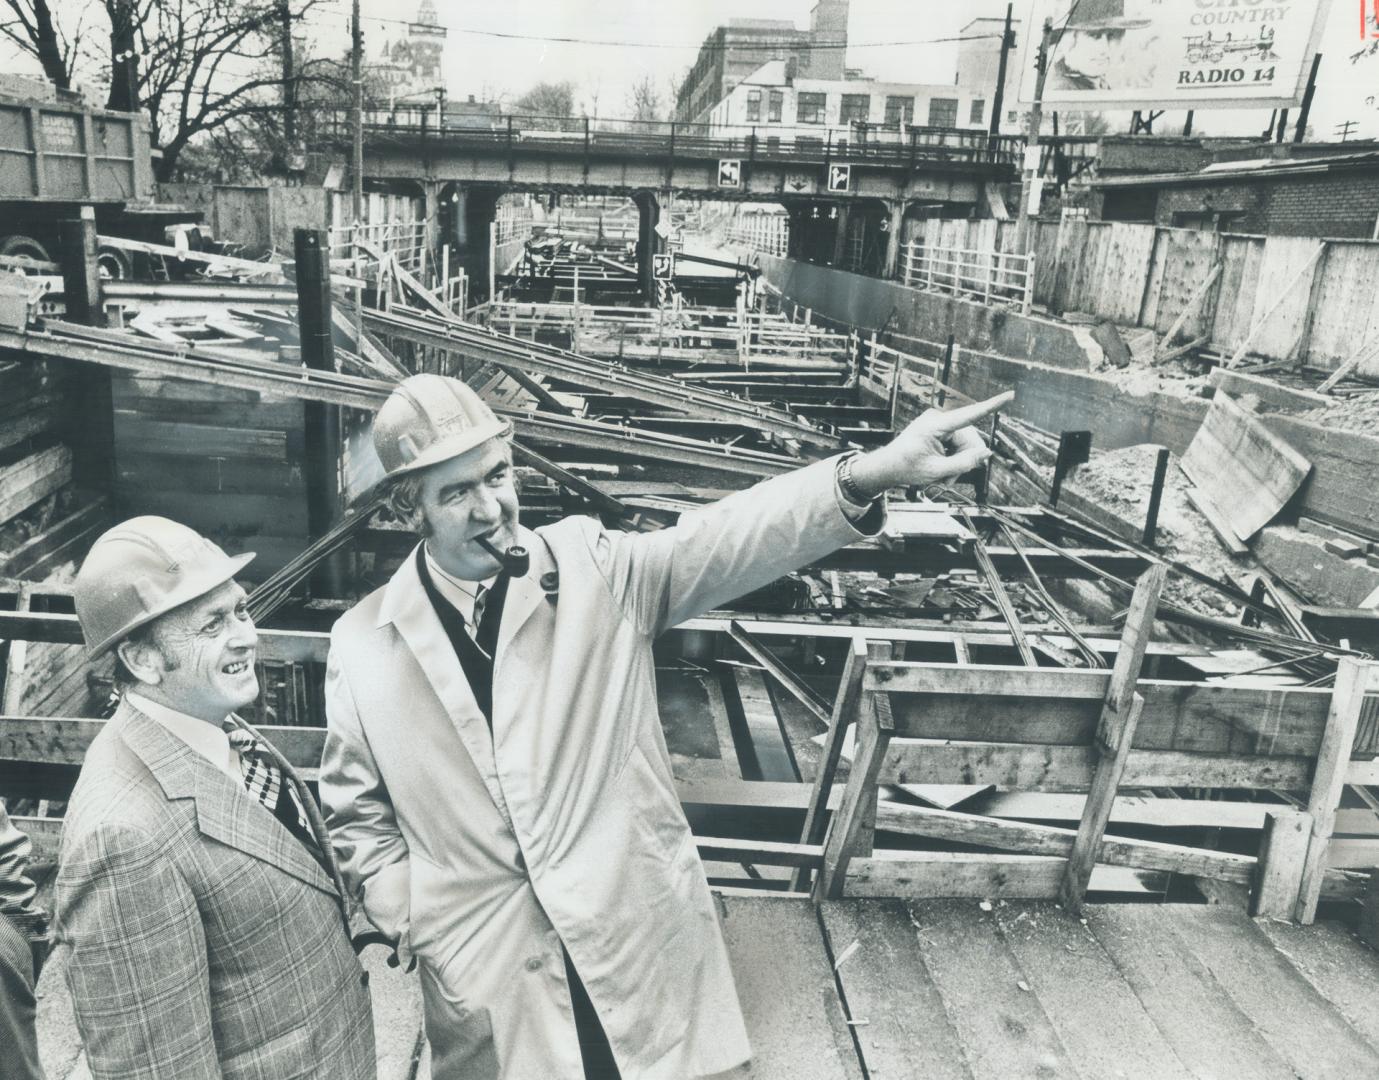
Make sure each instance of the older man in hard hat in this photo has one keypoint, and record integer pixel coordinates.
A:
(495, 775)
(197, 889)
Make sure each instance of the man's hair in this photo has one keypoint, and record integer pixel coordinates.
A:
(144, 635)
(402, 493)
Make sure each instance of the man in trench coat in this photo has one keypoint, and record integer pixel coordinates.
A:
(503, 797)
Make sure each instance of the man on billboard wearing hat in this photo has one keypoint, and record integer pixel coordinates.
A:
(495, 776)
(196, 888)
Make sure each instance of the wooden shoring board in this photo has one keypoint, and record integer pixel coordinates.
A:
(1124, 271)
(1247, 471)
(908, 1032)
(1347, 303)
(1241, 258)
(1225, 998)
(795, 1018)
(1003, 1029)
(1190, 256)
(1282, 297)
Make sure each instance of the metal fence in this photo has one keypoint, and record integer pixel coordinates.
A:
(988, 275)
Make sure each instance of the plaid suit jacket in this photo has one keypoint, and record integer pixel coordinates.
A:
(205, 941)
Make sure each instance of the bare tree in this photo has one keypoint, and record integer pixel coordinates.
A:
(548, 99)
(644, 99)
(206, 65)
(30, 26)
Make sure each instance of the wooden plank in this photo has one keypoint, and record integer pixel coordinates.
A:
(159, 436)
(795, 1021)
(906, 1034)
(850, 833)
(1248, 472)
(1216, 518)
(845, 704)
(944, 874)
(722, 728)
(1336, 964)
(1189, 311)
(1003, 1028)
(990, 702)
(1346, 309)
(751, 852)
(1353, 679)
(1115, 733)
(1241, 257)
(1282, 853)
(1149, 810)
(1069, 768)
(1027, 839)
(1097, 1016)
(1297, 1021)
(1281, 297)
(1202, 1025)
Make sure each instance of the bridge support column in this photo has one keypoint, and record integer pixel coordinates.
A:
(464, 218)
(840, 236)
(430, 191)
(648, 216)
(895, 226)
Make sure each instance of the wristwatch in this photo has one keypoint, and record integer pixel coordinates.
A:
(847, 485)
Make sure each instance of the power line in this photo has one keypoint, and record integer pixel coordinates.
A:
(804, 46)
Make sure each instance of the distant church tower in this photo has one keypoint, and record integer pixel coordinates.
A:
(413, 63)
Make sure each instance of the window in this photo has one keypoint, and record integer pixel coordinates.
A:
(943, 112)
(978, 113)
(753, 106)
(776, 103)
(1012, 116)
(856, 109)
(809, 108)
(900, 111)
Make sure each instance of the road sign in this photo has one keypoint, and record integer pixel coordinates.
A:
(663, 267)
(730, 172)
(664, 229)
(839, 177)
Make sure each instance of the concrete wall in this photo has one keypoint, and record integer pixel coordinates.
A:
(1340, 490)
(871, 304)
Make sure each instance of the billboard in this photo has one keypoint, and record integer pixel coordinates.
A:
(1173, 54)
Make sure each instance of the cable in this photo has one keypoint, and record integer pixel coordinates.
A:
(802, 46)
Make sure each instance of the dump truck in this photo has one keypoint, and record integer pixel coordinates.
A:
(58, 154)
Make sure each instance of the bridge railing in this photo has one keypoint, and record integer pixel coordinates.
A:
(813, 143)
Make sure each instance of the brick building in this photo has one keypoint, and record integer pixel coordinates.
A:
(732, 52)
(1313, 194)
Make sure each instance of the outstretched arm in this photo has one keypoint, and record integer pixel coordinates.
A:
(934, 447)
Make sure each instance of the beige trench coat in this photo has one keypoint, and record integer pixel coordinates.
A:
(486, 854)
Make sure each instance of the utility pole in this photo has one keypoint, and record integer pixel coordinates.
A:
(357, 194)
(998, 101)
(357, 117)
(289, 80)
(1306, 108)
(1029, 175)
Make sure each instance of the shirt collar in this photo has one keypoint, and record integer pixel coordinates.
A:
(208, 740)
(458, 592)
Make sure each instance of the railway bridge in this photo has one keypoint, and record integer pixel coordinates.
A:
(826, 177)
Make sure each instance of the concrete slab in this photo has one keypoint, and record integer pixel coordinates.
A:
(1304, 562)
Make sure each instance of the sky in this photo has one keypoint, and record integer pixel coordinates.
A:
(887, 40)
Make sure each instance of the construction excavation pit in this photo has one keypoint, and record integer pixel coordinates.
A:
(1064, 765)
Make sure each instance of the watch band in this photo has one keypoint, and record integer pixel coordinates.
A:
(847, 485)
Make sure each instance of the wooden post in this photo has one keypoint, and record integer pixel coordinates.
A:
(1278, 874)
(89, 424)
(844, 714)
(854, 825)
(1353, 678)
(1156, 494)
(1120, 712)
(81, 278)
(940, 391)
(321, 422)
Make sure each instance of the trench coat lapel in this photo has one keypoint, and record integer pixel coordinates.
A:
(224, 810)
(406, 606)
(525, 593)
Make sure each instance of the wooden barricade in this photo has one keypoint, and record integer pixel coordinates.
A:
(1093, 731)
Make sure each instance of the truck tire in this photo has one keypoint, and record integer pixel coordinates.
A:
(24, 247)
(114, 263)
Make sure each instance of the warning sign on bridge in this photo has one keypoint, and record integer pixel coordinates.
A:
(663, 267)
(730, 172)
(840, 178)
